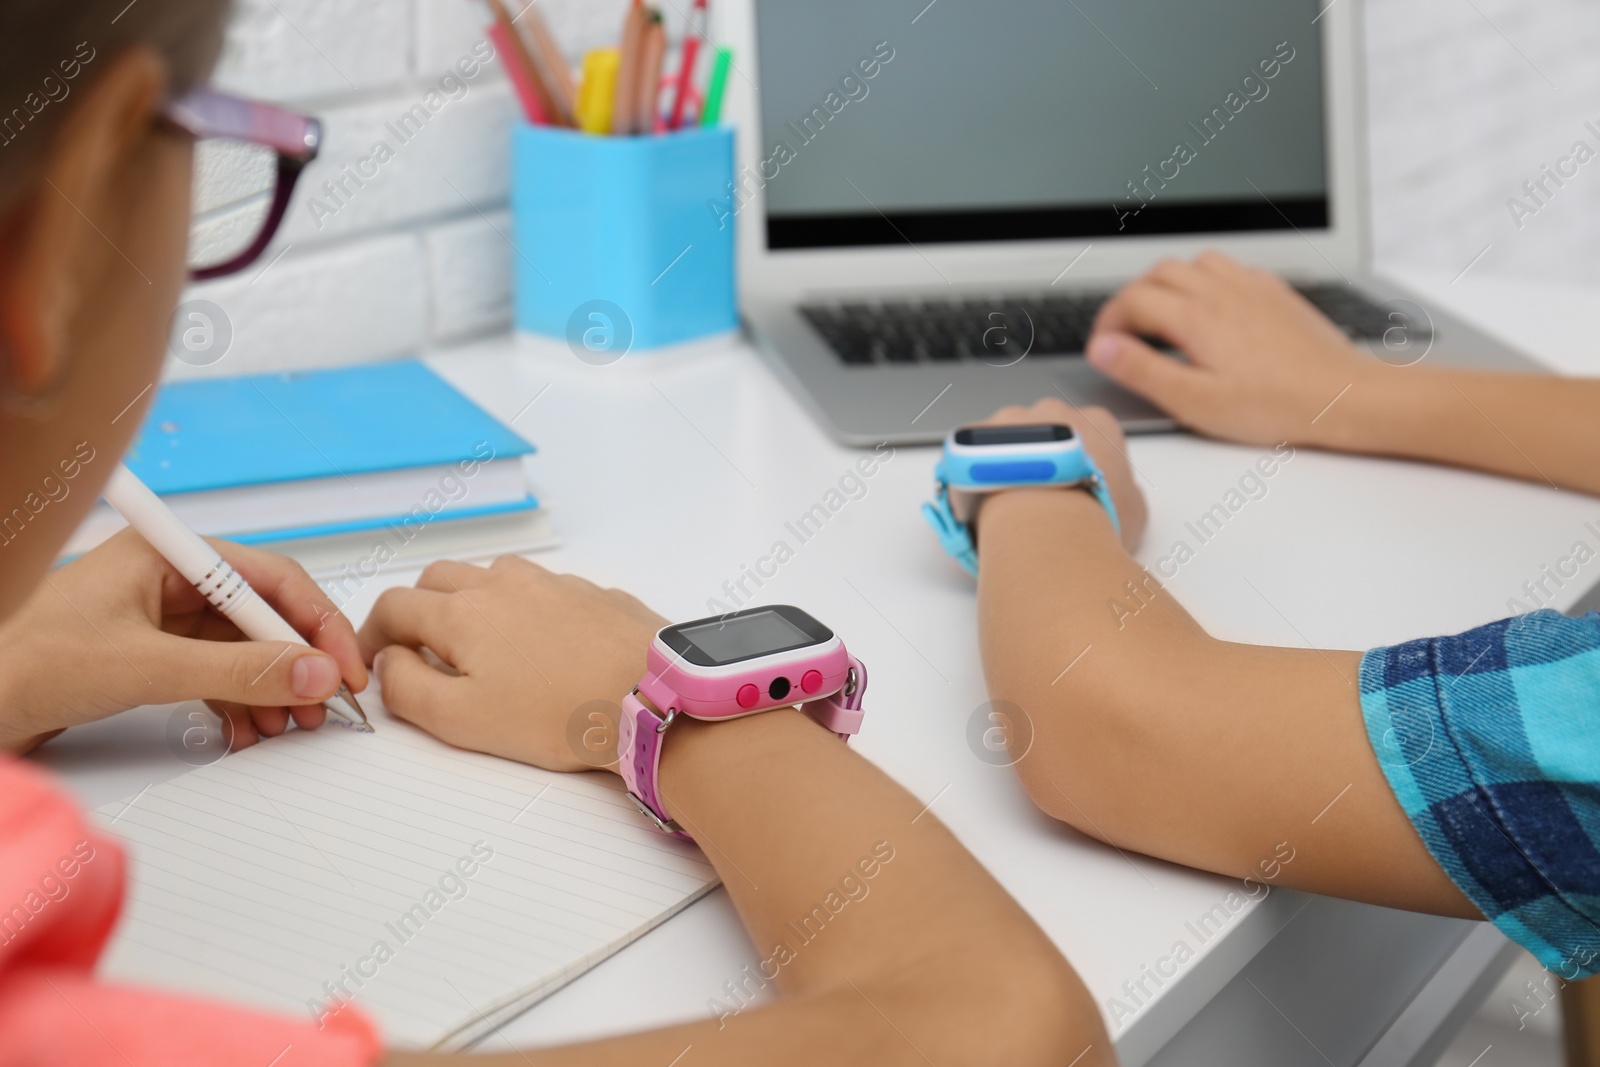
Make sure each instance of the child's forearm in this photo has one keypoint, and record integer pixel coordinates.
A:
(856, 897)
(1149, 733)
(886, 940)
(1533, 426)
(1077, 639)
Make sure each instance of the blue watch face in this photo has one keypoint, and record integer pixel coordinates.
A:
(987, 436)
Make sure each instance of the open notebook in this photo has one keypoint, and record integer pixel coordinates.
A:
(444, 891)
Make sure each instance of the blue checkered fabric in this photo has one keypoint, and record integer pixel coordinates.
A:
(1491, 741)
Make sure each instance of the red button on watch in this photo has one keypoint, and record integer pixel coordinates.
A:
(811, 681)
(748, 695)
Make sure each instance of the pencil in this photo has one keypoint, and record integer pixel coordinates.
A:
(647, 119)
(692, 37)
(203, 567)
(517, 75)
(530, 69)
(711, 110)
(628, 70)
(552, 65)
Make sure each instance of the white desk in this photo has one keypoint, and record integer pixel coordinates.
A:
(668, 477)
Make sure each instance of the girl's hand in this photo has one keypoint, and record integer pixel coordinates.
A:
(118, 627)
(536, 662)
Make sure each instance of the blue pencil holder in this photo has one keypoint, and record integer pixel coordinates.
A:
(622, 224)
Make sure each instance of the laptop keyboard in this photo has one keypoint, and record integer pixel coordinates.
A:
(1003, 329)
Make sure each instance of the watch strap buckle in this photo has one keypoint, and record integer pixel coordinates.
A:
(666, 826)
(639, 742)
(1102, 492)
(842, 713)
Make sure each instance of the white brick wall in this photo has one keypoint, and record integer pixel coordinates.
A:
(357, 300)
(469, 275)
(1467, 98)
(455, 165)
(418, 255)
(317, 49)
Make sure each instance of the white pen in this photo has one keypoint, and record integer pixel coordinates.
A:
(221, 585)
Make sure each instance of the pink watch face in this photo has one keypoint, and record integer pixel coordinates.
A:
(744, 662)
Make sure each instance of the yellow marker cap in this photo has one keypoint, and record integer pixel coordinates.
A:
(598, 90)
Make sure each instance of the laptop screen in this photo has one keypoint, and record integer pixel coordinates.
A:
(1001, 120)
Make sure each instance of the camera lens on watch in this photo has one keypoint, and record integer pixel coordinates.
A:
(779, 688)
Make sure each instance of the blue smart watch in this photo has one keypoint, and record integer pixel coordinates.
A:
(987, 459)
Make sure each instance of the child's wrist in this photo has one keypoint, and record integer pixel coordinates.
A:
(1385, 410)
(696, 754)
(1046, 503)
(20, 729)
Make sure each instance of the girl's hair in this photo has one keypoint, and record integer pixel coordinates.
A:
(52, 49)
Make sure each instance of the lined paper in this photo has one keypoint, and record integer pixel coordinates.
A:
(329, 863)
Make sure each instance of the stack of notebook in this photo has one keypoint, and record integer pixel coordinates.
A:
(307, 461)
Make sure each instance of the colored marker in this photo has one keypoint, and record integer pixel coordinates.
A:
(597, 93)
(711, 113)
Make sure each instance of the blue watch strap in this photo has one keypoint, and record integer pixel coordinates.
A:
(1097, 486)
(954, 536)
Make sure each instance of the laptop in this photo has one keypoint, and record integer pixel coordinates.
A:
(933, 197)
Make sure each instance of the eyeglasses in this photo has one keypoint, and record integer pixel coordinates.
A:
(248, 156)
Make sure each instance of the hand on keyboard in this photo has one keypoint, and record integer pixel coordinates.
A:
(1264, 364)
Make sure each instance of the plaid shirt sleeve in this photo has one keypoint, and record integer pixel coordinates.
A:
(1491, 742)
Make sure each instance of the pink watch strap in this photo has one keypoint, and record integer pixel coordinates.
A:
(842, 712)
(642, 731)
(639, 739)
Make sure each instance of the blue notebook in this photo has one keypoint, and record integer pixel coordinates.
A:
(219, 433)
(308, 454)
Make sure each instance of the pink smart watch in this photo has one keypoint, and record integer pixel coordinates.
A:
(729, 666)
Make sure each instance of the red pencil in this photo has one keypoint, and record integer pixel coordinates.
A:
(693, 35)
(511, 42)
(501, 39)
